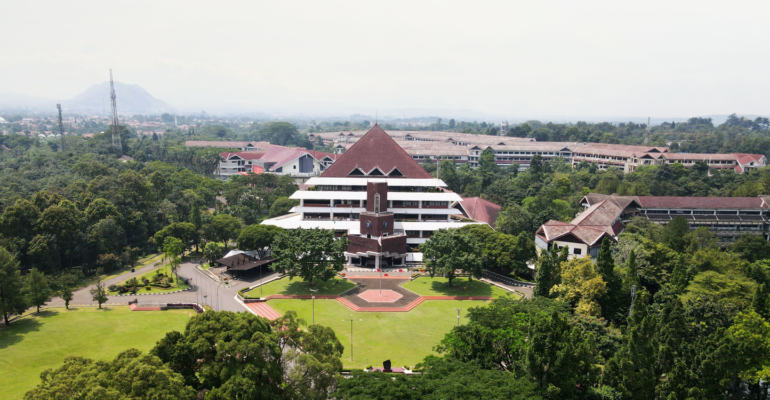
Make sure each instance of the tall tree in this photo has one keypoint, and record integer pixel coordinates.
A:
(605, 265)
(581, 286)
(548, 270)
(258, 238)
(98, 292)
(130, 375)
(212, 252)
(309, 253)
(560, 359)
(11, 296)
(451, 250)
(674, 234)
(205, 355)
(633, 370)
(36, 288)
(222, 228)
(67, 284)
(173, 249)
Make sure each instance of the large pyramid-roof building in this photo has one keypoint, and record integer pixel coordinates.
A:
(376, 154)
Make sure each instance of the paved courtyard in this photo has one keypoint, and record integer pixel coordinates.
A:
(380, 296)
(370, 286)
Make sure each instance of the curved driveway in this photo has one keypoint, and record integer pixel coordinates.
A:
(204, 290)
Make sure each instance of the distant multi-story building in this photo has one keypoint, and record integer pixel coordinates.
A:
(242, 146)
(384, 201)
(465, 148)
(606, 215)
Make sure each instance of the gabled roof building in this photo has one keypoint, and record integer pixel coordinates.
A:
(605, 216)
(384, 201)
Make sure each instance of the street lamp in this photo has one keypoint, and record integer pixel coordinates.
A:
(458, 316)
(313, 290)
(204, 298)
(351, 335)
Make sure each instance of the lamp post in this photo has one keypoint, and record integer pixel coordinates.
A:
(351, 335)
(204, 298)
(458, 316)
(313, 290)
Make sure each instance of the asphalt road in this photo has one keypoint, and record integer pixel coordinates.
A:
(204, 290)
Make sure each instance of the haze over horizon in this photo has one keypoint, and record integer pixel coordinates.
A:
(555, 59)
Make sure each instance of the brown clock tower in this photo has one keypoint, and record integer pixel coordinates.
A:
(378, 240)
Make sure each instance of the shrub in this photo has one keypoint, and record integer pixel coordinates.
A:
(169, 280)
(134, 289)
(145, 281)
(121, 289)
(148, 288)
(112, 288)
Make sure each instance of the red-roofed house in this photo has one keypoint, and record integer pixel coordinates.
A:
(300, 163)
(727, 217)
(240, 162)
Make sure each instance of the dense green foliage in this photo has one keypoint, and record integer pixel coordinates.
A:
(309, 253)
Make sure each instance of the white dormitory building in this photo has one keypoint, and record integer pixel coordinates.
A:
(464, 148)
(417, 203)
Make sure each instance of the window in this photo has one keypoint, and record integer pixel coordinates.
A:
(395, 172)
(577, 251)
(376, 203)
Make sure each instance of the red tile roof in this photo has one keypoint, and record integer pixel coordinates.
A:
(744, 158)
(554, 230)
(281, 155)
(376, 149)
(481, 210)
(700, 202)
(246, 155)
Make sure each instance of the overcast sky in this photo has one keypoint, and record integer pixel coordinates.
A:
(504, 58)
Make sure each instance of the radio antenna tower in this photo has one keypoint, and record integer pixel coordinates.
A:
(114, 124)
(647, 133)
(61, 128)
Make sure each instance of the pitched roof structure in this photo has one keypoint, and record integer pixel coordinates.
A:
(246, 155)
(553, 230)
(281, 155)
(375, 150)
(594, 199)
(481, 210)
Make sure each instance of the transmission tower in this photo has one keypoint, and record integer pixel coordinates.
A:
(115, 125)
(61, 128)
(647, 133)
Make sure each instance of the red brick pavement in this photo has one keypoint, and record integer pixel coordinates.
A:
(263, 310)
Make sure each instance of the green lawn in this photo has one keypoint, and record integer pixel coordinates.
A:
(299, 286)
(403, 337)
(428, 286)
(33, 344)
(166, 269)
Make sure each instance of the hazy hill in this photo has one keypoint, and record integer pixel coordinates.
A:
(131, 99)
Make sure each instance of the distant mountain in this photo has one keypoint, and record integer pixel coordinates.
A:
(131, 99)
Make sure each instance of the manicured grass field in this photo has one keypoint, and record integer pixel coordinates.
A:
(166, 269)
(299, 286)
(33, 344)
(403, 337)
(428, 286)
